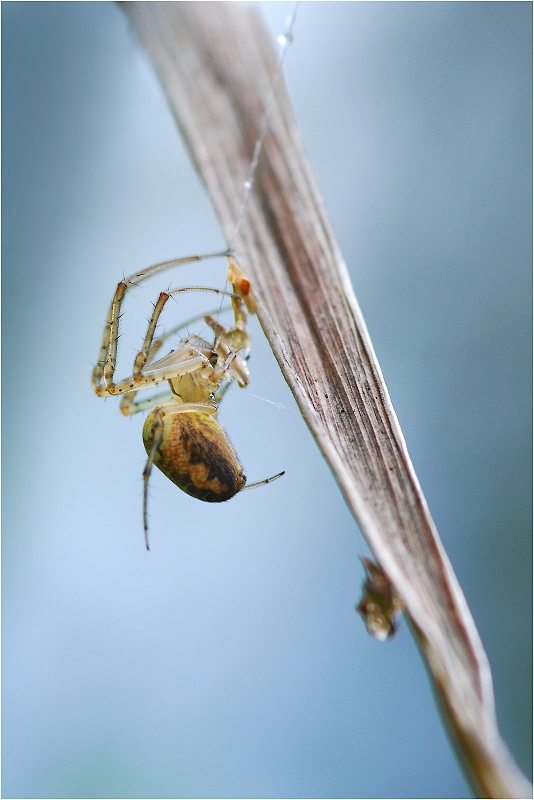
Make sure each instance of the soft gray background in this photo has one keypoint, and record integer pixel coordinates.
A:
(229, 661)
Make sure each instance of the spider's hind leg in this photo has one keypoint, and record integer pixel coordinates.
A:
(157, 438)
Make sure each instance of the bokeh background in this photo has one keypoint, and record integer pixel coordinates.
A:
(229, 661)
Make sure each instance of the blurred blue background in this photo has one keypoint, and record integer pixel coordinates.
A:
(229, 661)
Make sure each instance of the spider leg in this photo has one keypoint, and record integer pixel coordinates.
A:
(105, 367)
(236, 339)
(157, 438)
(108, 350)
(162, 339)
(228, 346)
(155, 269)
(195, 341)
(130, 406)
(241, 284)
(264, 481)
(142, 357)
(154, 376)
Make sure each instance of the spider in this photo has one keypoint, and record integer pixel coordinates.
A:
(181, 434)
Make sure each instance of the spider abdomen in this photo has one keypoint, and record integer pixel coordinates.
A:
(195, 454)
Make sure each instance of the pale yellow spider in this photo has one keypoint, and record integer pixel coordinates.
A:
(181, 434)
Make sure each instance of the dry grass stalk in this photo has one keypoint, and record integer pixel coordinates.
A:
(216, 64)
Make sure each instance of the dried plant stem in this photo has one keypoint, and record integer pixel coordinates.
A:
(217, 64)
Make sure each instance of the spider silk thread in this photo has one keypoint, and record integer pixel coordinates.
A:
(285, 39)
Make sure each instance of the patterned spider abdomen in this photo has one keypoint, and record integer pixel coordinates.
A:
(195, 454)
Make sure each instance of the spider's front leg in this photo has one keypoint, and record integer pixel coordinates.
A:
(108, 349)
(164, 370)
(141, 373)
(105, 366)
